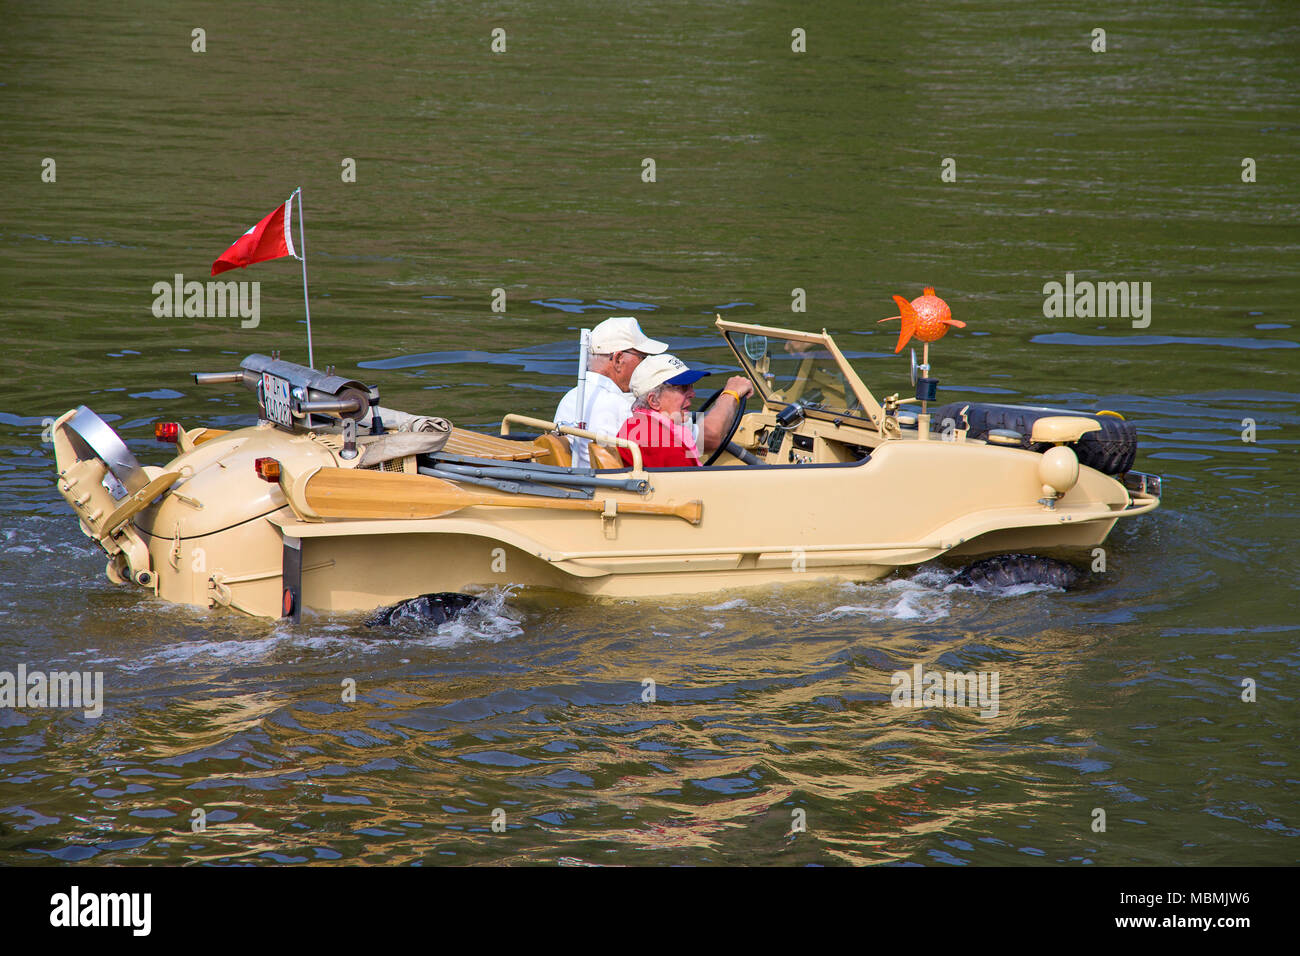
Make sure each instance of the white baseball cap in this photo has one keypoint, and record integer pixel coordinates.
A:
(663, 370)
(622, 332)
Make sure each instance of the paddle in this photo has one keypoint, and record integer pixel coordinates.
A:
(351, 493)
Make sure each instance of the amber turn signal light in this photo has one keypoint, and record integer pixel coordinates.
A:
(268, 469)
(167, 431)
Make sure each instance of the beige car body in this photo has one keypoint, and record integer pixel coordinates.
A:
(206, 530)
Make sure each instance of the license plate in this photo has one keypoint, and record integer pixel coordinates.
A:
(275, 400)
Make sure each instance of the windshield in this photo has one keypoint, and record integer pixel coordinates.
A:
(788, 370)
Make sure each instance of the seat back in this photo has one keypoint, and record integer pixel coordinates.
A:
(555, 450)
(602, 457)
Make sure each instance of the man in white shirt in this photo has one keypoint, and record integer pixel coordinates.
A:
(617, 347)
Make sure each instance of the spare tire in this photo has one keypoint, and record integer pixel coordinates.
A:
(1111, 450)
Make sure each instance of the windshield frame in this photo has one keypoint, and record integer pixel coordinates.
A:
(870, 413)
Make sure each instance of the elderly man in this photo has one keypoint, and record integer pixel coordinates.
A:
(664, 386)
(617, 347)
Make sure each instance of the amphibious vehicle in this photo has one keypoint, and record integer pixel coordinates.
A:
(334, 503)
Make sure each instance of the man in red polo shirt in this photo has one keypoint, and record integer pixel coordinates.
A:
(664, 386)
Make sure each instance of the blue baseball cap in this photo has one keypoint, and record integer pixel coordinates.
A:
(663, 369)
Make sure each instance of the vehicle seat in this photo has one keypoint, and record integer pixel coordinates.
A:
(555, 450)
(602, 457)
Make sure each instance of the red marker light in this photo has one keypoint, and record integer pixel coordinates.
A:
(268, 469)
(167, 431)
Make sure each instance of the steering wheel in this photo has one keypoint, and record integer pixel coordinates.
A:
(735, 424)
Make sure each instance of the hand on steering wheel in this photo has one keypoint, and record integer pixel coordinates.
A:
(735, 423)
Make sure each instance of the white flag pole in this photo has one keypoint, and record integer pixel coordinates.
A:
(306, 302)
(584, 346)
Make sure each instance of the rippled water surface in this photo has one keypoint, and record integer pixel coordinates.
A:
(775, 171)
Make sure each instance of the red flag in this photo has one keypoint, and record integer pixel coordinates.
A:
(272, 238)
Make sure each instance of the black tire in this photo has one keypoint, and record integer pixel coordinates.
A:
(425, 611)
(1009, 570)
(1111, 450)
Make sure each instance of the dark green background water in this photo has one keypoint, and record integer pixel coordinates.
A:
(775, 170)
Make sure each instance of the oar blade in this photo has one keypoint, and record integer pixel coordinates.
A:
(353, 493)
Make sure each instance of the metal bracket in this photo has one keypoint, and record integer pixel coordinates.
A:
(609, 519)
(220, 595)
(117, 569)
(349, 440)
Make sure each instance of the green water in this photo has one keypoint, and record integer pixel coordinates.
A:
(775, 171)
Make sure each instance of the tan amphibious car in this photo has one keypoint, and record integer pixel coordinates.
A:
(334, 503)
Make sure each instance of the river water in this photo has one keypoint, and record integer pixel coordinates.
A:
(771, 739)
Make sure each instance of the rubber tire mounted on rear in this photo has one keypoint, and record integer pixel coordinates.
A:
(1111, 450)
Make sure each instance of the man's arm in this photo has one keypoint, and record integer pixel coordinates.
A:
(564, 411)
(715, 424)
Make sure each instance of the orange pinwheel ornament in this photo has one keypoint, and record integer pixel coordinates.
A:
(927, 317)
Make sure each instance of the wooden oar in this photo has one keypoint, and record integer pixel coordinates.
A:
(351, 493)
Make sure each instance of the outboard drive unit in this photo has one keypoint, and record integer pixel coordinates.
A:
(179, 529)
(293, 396)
